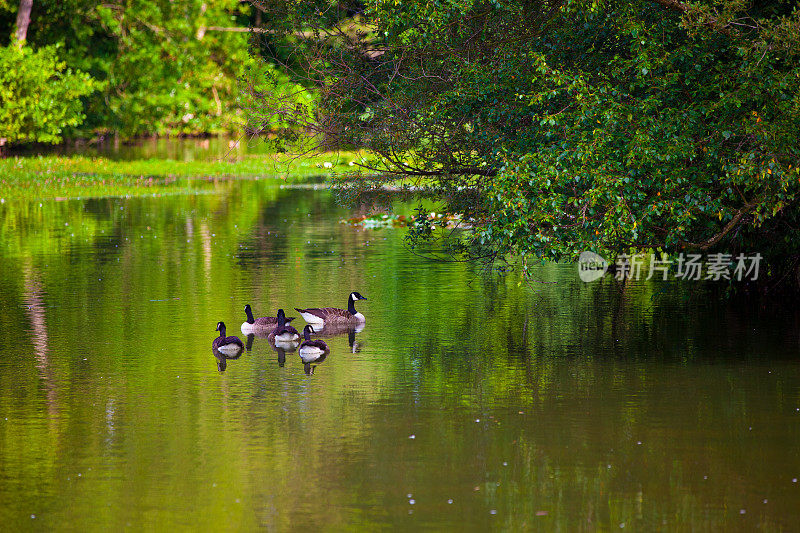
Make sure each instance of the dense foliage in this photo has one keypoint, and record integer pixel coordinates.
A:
(160, 66)
(610, 126)
(39, 97)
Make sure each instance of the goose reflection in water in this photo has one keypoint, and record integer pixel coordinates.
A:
(333, 330)
(312, 360)
(282, 347)
(222, 359)
(274, 343)
(278, 346)
(248, 344)
(309, 368)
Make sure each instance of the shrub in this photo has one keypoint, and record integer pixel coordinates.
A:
(39, 97)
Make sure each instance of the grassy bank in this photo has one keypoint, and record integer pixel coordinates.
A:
(61, 177)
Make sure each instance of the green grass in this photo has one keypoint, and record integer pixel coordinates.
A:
(60, 177)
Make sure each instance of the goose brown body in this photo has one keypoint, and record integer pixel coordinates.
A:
(262, 324)
(334, 315)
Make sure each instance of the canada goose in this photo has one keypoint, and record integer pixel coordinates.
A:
(283, 332)
(330, 315)
(226, 345)
(222, 359)
(262, 324)
(311, 350)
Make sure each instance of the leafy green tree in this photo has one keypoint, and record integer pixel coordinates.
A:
(165, 71)
(39, 96)
(573, 125)
(162, 67)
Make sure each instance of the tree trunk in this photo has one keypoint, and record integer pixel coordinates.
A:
(23, 20)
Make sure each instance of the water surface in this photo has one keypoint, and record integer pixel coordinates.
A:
(231, 148)
(466, 403)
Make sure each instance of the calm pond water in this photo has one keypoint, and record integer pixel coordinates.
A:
(466, 403)
(177, 149)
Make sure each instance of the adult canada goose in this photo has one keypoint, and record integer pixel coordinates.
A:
(226, 345)
(283, 332)
(311, 350)
(334, 315)
(262, 324)
(222, 359)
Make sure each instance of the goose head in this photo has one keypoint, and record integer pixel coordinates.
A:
(351, 304)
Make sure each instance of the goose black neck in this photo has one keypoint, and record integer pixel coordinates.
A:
(222, 331)
(281, 318)
(307, 333)
(250, 319)
(351, 306)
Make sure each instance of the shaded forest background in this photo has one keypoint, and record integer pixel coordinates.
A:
(130, 68)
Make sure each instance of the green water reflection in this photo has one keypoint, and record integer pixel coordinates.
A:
(465, 403)
(231, 148)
